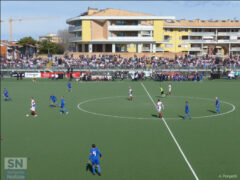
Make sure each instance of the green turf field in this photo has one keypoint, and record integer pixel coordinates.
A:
(136, 145)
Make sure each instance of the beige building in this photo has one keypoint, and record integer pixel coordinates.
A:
(51, 38)
(113, 30)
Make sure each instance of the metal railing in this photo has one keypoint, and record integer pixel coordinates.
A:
(74, 28)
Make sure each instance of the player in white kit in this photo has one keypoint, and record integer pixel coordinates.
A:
(33, 107)
(159, 108)
(130, 94)
(169, 89)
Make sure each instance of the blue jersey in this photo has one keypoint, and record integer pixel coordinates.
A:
(5, 92)
(62, 103)
(187, 109)
(94, 154)
(53, 98)
(69, 84)
(217, 103)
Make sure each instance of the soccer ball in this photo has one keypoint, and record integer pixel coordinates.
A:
(27, 115)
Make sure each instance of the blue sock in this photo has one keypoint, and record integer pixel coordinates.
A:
(93, 169)
(185, 116)
(189, 116)
(65, 110)
(99, 170)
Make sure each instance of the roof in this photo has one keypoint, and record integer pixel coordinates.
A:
(7, 43)
(201, 23)
(117, 12)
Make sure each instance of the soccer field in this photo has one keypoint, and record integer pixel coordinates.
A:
(135, 143)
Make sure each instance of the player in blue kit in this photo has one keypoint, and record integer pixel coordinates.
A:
(62, 107)
(53, 100)
(69, 86)
(5, 94)
(95, 157)
(187, 111)
(217, 105)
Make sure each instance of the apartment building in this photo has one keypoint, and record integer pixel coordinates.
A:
(51, 38)
(113, 30)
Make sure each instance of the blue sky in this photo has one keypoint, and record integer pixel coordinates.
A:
(67, 9)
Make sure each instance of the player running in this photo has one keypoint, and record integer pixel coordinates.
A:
(130, 94)
(159, 108)
(53, 100)
(217, 105)
(62, 107)
(5, 94)
(169, 89)
(69, 86)
(162, 92)
(94, 158)
(33, 107)
(187, 110)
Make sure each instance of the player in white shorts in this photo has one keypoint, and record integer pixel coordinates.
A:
(169, 89)
(159, 108)
(33, 107)
(130, 94)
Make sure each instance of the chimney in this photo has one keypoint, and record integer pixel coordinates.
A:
(92, 11)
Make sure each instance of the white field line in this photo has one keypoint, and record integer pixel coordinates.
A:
(174, 139)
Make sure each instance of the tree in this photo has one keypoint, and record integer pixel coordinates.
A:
(47, 47)
(27, 40)
(65, 35)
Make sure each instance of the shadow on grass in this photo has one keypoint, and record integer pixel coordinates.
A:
(181, 116)
(211, 111)
(154, 115)
(89, 168)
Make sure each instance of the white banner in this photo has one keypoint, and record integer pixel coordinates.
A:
(32, 75)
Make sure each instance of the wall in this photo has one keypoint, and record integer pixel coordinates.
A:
(158, 30)
(132, 48)
(86, 30)
(176, 41)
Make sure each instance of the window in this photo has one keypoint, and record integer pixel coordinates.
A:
(179, 30)
(120, 22)
(186, 30)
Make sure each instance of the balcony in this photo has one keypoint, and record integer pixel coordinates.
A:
(74, 28)
(202, 34)
(130, 39)
(198, 41)
(159, 49)
(228, 41)
(130, 28)
(75, 39)
(145, 48)
(228, 33)
(235, 49)
(195, 49)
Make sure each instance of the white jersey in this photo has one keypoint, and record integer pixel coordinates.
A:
(130, 92)
(159, 106)
(33, 105)
(169, 87)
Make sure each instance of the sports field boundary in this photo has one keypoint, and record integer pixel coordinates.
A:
(173, 137)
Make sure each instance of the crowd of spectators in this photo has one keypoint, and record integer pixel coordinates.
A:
(118, 62)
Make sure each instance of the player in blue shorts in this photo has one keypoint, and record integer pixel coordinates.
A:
(5, 94)
(95, 157)
(217, 105)
(187, 111)
(53, 100)
(69, 86)
(62, 107)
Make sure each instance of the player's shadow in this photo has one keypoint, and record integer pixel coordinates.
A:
(211, 111)
(154, 115)
(181, 116)
(89, 168)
